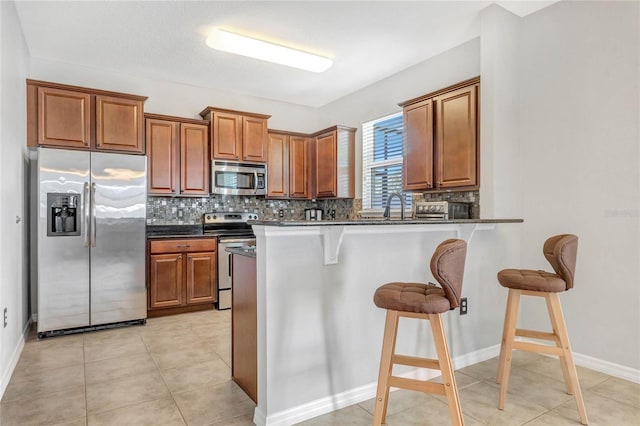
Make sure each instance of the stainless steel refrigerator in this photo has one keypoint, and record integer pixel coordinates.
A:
(91, 213)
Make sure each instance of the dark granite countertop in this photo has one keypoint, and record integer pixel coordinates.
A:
(376, 222)
(175, 231)
(242, 251)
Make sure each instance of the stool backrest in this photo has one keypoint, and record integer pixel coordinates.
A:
(447, 267)
(561, 252)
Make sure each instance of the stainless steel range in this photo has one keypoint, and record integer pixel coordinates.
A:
(232, 230)
(442, 210)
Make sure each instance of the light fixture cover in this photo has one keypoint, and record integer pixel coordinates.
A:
(258, 49)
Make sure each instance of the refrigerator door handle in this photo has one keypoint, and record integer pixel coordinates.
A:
(85, 209)
(93, 215)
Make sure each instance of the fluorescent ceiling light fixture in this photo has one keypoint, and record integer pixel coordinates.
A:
(258, 49)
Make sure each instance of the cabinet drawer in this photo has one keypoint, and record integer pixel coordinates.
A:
(183, 245)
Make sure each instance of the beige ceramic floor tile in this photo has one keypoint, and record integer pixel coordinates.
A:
(193, 376)
(550, 367)
(480, 401)
(105, 396)
(485, 370)
(185, 355)
(536, 388)
(46, 382)
(122, 367)
(619, 390)
(167, 343)
(212, 404)
(82, 421)
(56, 408)
(34, 362)
(432, 412)
(236, 421)
(160, 412)
(601, 411)
(353, 415)
(53, 342)
(113, 347)
(399, 400)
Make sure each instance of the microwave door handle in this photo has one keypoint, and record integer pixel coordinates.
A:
(85, 209)
(93, 215)
(255, 182)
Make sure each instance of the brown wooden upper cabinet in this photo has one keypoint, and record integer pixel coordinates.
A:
(288, 165)
(178, 155)
(334, 163)
(237, 135)
(64, 116)
(441, 139)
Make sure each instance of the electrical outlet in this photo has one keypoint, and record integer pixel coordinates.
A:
(280, 213)
(463, 306)
(5, 318)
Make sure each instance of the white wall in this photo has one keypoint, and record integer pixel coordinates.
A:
(14, 56)
(177, 99)
(579, 129)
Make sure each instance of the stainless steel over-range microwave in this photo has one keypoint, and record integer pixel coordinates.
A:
(231, 178)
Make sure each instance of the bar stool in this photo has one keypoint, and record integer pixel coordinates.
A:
(560, 251)
(422, 301)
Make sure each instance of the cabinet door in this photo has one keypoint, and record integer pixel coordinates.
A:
(64, 118)
(194, 159)
(254, 139)
(119, 125)
(166, 280)
(326, 185)
(298, 167)
(162, 156)
(277, 165)
(227, 136)
(456, 141)
(201, 277)
(418, 148)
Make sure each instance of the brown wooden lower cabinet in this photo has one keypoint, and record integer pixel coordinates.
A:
(182, 275)
(244, 325)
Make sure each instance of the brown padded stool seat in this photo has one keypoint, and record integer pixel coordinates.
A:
(412, 297)
(526, 279)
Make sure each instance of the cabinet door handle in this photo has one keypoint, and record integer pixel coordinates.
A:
(439, 184)
(429, 185)
(179, 257)
(184, 245)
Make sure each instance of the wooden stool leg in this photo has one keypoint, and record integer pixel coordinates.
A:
(563, 365)
(386, 367)
(507, 321)
(513, 304)
(566, 360)
(448, 377)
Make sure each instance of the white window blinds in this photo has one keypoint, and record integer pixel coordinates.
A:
(382, 144)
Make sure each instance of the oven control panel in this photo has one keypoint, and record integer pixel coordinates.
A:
(229, 217)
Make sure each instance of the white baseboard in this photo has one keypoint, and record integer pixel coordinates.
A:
(354, 396)
(13, 361)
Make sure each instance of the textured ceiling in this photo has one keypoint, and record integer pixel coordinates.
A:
(368, 40)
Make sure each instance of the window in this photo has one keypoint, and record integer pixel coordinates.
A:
(382, 144)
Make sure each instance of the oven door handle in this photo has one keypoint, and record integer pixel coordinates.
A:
(229, 257)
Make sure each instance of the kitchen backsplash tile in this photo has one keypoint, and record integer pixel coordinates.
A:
(472, 197)
(189, 211)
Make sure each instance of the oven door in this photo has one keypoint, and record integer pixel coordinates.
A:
(238, 178)
(224, 267)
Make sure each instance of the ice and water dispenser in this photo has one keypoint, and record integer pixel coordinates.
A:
(63, 215)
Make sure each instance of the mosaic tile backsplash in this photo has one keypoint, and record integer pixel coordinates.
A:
(189, 211)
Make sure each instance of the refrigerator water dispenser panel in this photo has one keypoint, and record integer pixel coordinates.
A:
(63, 216)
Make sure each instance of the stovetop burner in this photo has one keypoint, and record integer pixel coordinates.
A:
(228, 223)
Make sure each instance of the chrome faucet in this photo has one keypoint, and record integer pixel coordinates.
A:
(387, 209)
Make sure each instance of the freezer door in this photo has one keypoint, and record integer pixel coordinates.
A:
(118, 215)
(62, 260)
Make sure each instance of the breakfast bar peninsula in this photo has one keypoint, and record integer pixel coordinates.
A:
(319, 335)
